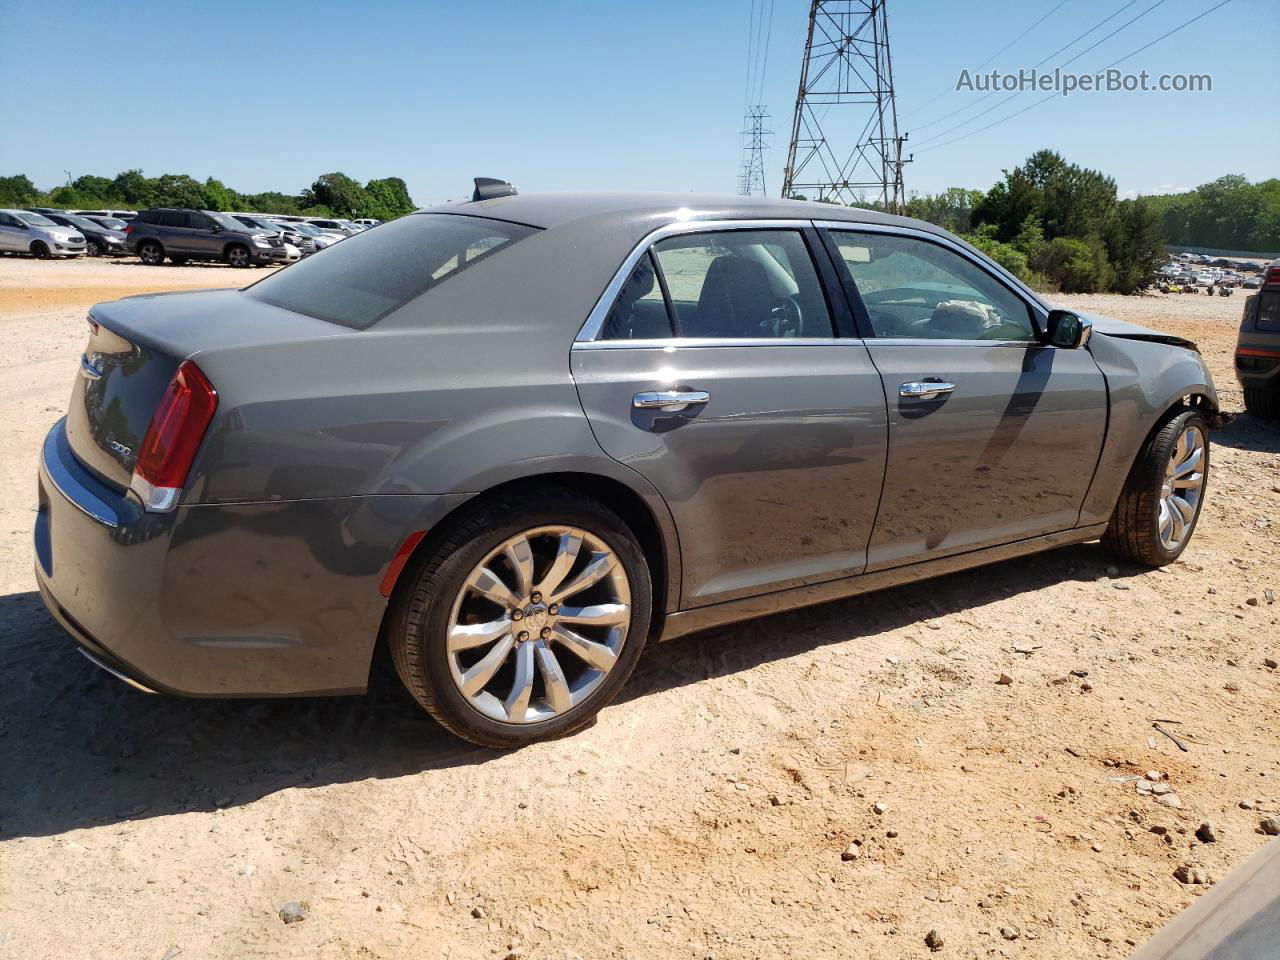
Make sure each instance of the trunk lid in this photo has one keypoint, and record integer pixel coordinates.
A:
(135, 347)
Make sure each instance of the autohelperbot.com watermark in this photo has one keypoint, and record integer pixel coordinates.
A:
(1067, 83)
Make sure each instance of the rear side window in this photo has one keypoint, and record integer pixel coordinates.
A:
(359, 281)
(173, 218)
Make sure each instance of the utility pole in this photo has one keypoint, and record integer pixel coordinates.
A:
(846, 79)
(751, 180)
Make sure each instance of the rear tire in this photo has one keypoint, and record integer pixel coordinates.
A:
(1263, 404)
(1137, 528)
(431, 603)
(151, 253)
(40, 250)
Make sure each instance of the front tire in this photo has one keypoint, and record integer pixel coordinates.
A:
(95, 249)
(1161, 501)
(525, 620)
(40, 250)
(238, 256)
(1263, 404)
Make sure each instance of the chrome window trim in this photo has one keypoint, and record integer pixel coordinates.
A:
(1015, 286)
(590, 331)
(672, 343)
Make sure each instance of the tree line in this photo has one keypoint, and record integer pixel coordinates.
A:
(1059, 226)
(331, 195)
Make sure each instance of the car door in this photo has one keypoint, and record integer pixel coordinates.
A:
(205, 236)
(12, 233)
(993, 434)
(710, 366)
(175, 234)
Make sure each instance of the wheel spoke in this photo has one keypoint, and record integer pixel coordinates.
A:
(1166, 520)
(521, 558)
(566, 556)
(595, 655)
(487, 583)
(599, 614)
(517, 702)
(471, 635)
(1179, 524)
(595, 571)
(558, 696)
(1187, 511)
(1188, 465)
(1192, 482)
(475, 678)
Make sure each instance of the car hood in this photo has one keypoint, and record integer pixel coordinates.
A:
(1111, 327)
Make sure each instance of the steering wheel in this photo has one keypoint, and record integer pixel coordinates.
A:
(785, 317)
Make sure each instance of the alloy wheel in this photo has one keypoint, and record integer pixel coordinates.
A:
(238, 257)
(1182, 488)
(538, 624)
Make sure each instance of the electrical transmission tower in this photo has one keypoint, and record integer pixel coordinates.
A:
(846, 65)
(751, 180)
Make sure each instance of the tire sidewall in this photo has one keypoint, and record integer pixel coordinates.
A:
(151, 245)
(449, 573)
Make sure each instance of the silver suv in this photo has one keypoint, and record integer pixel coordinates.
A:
(22, 231)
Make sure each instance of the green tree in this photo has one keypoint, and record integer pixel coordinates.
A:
(388, 198)
(338, 192)
(135, 190)
(18, 191)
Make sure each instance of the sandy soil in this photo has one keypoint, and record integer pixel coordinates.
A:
(704, 814)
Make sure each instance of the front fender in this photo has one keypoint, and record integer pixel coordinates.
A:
(1145, 380)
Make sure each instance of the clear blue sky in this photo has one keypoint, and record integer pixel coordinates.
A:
(579, 95)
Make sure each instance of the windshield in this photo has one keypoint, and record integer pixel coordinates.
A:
(358, 282)
(226, 222)
(111, 223)
(36, 220)
(84, 223)
(306, 229)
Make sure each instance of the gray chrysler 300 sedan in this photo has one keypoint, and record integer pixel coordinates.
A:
(518, 437)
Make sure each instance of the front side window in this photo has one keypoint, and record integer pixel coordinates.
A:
(741, 284)
(361, 280)
(921, 290)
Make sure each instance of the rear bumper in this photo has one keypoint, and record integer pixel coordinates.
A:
(218, 600)
(1257, 362)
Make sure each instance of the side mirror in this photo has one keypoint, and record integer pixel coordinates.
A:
(215, 229)
(1067, 330)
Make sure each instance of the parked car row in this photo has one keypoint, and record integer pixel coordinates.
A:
(1244, 266)
(176, 234)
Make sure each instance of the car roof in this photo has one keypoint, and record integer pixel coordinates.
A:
(556, 209)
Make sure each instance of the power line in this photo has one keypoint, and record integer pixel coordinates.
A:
(993, 56)
(1060, 66)
(1052, 96)
(992, 93)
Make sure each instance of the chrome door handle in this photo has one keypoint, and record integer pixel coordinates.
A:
(925, 389)
(669, 399)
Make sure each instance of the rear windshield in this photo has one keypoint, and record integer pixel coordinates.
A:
(359, 281)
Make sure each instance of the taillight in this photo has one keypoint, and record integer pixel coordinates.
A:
(1273, 276)
(173, 437)
(128, 229)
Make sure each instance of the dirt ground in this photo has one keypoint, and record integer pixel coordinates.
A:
(706, 812)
